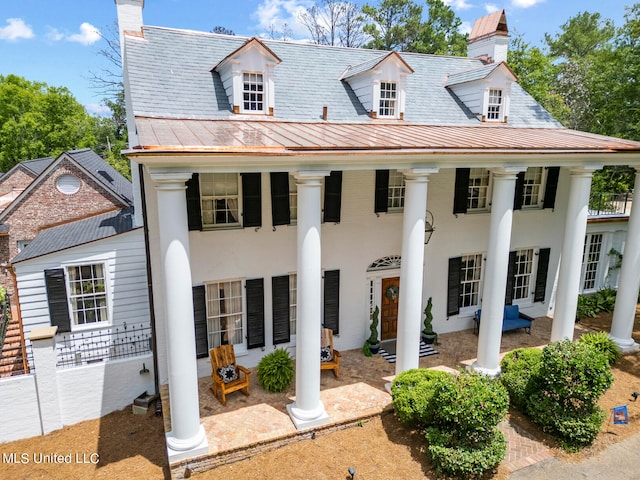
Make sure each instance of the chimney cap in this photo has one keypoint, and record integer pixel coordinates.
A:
(493, 24)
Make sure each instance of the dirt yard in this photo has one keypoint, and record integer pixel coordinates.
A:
(124, 445)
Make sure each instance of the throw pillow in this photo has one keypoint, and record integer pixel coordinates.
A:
(228, 373)
(325, 354)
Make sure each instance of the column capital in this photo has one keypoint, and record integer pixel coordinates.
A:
(170, 180)
(508, 170)
(586, 169)
(310, 176)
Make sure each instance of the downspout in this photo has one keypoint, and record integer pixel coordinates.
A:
(152, 310)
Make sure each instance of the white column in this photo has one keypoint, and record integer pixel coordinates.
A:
(411, 269)
(43, 347)
(495, 278)
(187, 437)
(307, 410)
(629, 283)
(575, 228)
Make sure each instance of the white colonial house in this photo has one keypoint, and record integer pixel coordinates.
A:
(290, 186)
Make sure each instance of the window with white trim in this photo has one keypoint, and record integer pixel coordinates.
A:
(87, 294)
(522, 274)
(22, 244)
(253, 92)
(293, 302)
(494, 105)
(293, 200)
(533, 187)
(396, 190)
(590, 260)
(224, 313)
(219, 194)
(479, 189)
(388, 97)
(470, 275)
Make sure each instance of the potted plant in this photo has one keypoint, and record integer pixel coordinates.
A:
(428, 335)
(372, 344)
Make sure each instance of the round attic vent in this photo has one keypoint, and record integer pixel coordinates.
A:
(68, 184)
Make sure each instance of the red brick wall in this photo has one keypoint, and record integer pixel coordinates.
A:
(17, 179)
(45, 206)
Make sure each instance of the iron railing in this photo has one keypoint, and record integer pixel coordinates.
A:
(601, 203)
(79, 348)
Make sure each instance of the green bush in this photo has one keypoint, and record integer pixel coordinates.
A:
(276, 371)
(601, 342)
(462, 460)
(519, 374)
(412, 392)
(591, 305)
(572, 378)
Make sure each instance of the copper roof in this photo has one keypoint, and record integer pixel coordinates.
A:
(494, 23)
(276, 137)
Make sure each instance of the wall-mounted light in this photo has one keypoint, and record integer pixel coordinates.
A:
(428, 226)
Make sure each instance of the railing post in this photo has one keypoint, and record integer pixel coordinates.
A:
(43, 344)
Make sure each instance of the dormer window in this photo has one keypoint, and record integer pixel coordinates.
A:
(494, 105)
(388, 91)
(248, 76)
(253, 92)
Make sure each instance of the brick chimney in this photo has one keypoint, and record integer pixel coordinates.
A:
(129, 18)
(489, 38)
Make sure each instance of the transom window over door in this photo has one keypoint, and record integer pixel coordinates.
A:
(470, 274)
(388, 95)
(253, 92)
(494, 105)
(224, 313)
(87, 294)
(478, 194)
(219, 197)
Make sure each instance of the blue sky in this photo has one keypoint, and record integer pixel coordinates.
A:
(56, 41)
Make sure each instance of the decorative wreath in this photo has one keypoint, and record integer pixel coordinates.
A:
(392, 292)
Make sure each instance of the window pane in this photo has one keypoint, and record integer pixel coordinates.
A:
(87, 293)
(219, 198)
(387, 106)
(522, 273)
(224, 313)
(395, 199)
(495, 100)
(253, 86)
(478, 194)
(471, 270)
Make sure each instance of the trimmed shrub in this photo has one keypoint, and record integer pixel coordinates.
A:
(591, 305)
(465, 461)
(519, 374)
(601, 342)
(412, 393)
(572, 378)
(276, 371)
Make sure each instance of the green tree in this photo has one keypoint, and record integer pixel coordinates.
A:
(37, 120)
(440, 34)
(393, 24)
(581, 36)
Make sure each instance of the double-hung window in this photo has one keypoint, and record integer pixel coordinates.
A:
(395, 197)
(224, 313)
(478, 196)
(494, 105)
(470, 275)
(253, 92)
(219, 195)
(388, 97)
(533, 186)
(523, 267)
(591, 260)
(87, 294)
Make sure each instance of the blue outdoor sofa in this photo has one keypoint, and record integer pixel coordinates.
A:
(512, 319)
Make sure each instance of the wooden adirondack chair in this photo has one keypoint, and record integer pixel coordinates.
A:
(329, 358)
(226, 374)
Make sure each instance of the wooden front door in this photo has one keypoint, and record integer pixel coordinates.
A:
(389, 310)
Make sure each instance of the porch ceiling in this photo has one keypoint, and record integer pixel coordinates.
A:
(251, 137)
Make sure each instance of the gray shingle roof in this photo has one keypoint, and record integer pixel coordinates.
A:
(77, 233)
(169, 75)
(471, 75)
(38, 165)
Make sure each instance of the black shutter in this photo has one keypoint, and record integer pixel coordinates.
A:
(518, 197)
(461, 190)
(194, 213)
(280, 212)
(251, 200)
(511, 277)
(552, 186)
(57, 297)
(255, 312)
(200, 321)
(280, 302)
(453, 286)
(541, 275)
(332, 197)
(332, 300)
(382, 191)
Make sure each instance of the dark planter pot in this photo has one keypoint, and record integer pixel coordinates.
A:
(429, 339)
(374, 348)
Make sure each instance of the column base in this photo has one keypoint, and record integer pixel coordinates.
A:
(304, 419)
(626, 345)
(178, 449)
(489, 372)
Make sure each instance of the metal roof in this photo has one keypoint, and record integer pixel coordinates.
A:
(250, 136)
(494, 23)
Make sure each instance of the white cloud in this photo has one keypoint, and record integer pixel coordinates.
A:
(275, 13)
(16, 29)
(54, 35)
(491, 8)
(98, 109)
(526, 3)
(465, 27)
(88, 35)
(458, 4)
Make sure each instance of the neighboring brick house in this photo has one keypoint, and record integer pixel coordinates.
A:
(44, 193)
